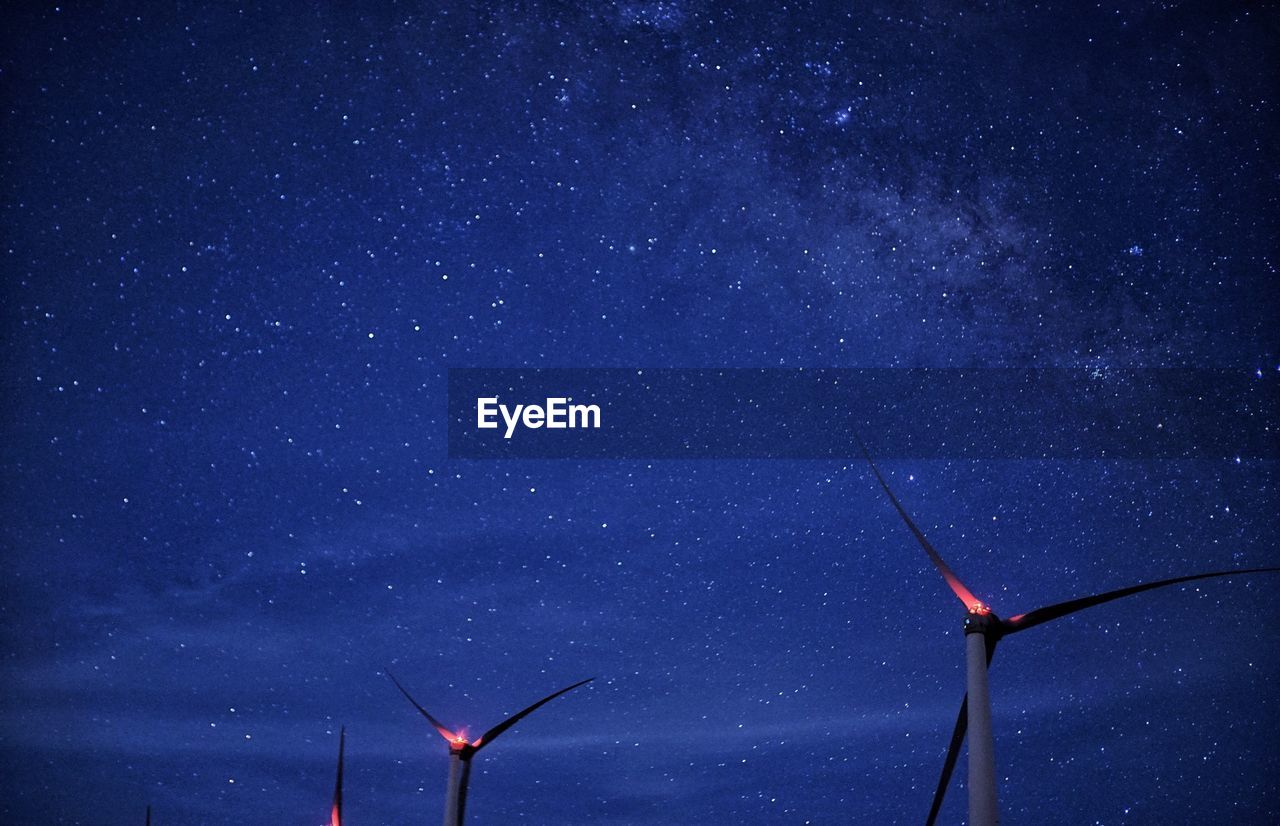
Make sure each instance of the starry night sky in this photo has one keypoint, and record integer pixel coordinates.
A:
(243, 246)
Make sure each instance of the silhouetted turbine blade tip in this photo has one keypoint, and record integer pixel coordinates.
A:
(493, 733)
(953, 582)
(1048, 613)
(336, 815)
(439, 727)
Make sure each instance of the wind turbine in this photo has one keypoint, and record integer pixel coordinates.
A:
(335, 814)
(148, 816)
(983, 630)
(462, 750)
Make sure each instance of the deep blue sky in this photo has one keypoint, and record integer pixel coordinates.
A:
(242, 246)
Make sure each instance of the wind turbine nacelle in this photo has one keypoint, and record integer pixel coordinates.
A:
(982, 622)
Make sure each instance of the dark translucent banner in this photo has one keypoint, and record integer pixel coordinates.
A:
(625, 413)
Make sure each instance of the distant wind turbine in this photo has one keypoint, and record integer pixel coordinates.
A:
(461, 750)
(983, 630)
(335, 814)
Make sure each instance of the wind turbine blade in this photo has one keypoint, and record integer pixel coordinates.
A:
(949, 765)
(1051, 612)
(957, 587)
(148, 816)
(953, 750)
(335, 815)
(493, 733)
(444, 732)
